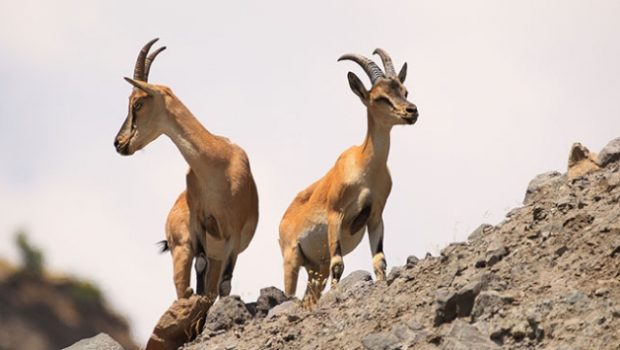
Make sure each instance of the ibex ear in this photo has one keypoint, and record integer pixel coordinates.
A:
(141, 85)
(358, 87)
(403, 73)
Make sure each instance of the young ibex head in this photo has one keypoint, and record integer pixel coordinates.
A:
(387, 99)
(144, 122)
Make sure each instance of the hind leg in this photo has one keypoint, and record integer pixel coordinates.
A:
(226, 283)
(182, 267)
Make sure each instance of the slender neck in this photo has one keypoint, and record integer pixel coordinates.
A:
(194, 141)
(376, 146)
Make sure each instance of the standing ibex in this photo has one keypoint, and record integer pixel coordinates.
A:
(327, 220)
(221, 193)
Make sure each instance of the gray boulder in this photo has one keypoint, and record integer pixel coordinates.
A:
(412, 261)
(488, 303)
(610, 153)
(101, 341)
(269, 297)
(227, 312)
(381, 341)
(289, 308)
(452, 304)
(395, 272)
(357, 283)
(354, 280)
(542, 185)
(463, 336)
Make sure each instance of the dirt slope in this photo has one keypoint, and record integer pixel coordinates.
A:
(547, 277)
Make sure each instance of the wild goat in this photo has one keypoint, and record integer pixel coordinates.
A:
(221, 193)
(327, 220)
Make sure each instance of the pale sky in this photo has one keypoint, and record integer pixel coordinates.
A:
(503, 88)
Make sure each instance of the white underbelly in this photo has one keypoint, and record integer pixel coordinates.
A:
(314, 244)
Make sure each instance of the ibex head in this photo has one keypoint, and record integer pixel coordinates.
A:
(144, 122)
(387, 99)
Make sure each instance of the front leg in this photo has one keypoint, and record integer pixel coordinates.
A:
(375, 236)
(334, 231)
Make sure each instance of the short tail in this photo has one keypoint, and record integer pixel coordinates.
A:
(163, 246)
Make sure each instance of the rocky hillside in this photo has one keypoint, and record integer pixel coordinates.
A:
(41, 312)
(547, 277)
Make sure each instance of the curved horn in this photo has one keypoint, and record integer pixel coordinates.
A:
(387, 62)
(149, 60)
(138, 72)
(370, 67)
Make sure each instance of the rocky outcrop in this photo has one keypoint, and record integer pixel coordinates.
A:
(268, 299)
(610, 153)
(581, 161)
(45, 311)
(547, 277)
(181, 323)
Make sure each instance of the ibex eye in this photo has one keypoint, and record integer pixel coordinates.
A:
(137, 106)
(386, 100)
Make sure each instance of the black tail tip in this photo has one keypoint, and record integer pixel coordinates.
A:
(163, 246)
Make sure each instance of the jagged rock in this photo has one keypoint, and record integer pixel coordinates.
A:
(101, 341)
(539, 213)
(487, 303)
(395, 272)
(381, 341)
(181, 323)
(289, 308)
(542, 185)
(463, 336)
(268, 298)
(580, 161)
(450, 305)
(227, 312)
(412, 261)
(610, 153)
(354, 279)
(403, 272)
(495, 252)
(519, 331)
(357, 283)
(534, 320)
(251, 308)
